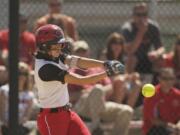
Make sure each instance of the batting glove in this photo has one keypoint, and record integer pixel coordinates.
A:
(114, 67)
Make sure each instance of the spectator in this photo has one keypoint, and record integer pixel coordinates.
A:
(55, 14)
(25, 101)
(141, 34)
(26, 46)
(115, 48)
(91, 103)
(125, 87)
(162, 111)
(172, 60)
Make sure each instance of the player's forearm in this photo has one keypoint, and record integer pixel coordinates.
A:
(94, 78)
(82, 62)
(89, 63)
(82, 80)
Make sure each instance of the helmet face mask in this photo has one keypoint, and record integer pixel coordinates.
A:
(44, 48)
(49, 35)
(55, 50)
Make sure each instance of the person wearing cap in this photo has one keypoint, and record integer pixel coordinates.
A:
(55, 14)
(26, 46)
(80, 45)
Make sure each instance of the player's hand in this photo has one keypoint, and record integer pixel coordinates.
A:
(114, 67)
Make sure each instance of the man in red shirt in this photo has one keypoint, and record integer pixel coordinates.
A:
(26, 46)
(162, 111)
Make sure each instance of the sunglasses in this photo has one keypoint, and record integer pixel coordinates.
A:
(141, 14)
(165, 78)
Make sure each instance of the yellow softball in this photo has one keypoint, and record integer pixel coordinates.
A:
(148, 90)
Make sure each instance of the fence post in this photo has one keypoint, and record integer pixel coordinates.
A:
(13, 65)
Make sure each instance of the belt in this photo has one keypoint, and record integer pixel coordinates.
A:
(67, 107)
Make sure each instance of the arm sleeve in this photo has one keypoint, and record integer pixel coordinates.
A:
(148, 113)
(51, 72)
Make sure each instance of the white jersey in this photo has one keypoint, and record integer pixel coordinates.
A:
(51, 94)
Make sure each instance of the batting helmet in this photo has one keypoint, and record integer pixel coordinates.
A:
(48, 35)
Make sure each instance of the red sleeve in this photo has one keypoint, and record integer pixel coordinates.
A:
(177, 96)
(168, 60)
(33, 43)
(29, 40)
(1, 46)
(148, 113)
(4, 40)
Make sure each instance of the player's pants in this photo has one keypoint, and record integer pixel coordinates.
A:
(64, 122)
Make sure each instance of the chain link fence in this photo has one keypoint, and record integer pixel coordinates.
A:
(97, 19)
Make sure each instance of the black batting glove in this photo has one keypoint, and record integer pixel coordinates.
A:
(114, 67)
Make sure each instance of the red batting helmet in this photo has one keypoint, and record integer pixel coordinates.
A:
(48, 35)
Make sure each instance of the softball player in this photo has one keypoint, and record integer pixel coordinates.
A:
(52, 77)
